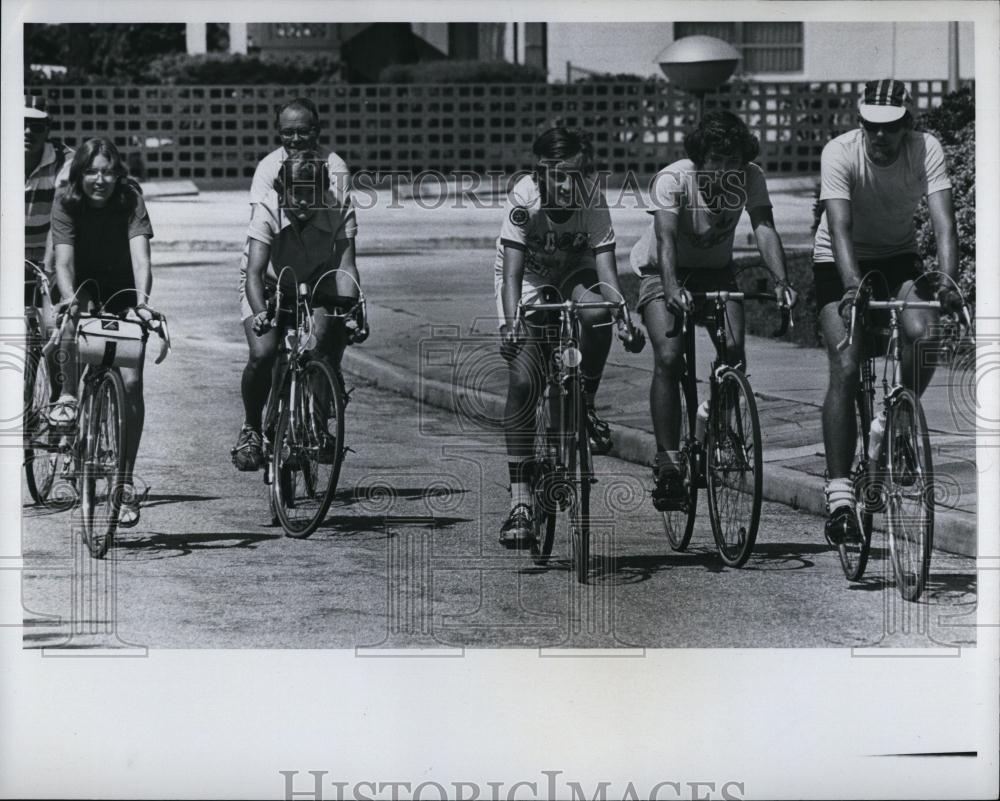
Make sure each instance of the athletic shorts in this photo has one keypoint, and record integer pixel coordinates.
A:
(532, 286)
(651, 286)
(890, 274)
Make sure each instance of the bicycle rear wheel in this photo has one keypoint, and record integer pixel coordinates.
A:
(678, 524)
(867, 495)
(102, 462)
(734, 468)
(910, 494)
(544, 500)
(308, 450)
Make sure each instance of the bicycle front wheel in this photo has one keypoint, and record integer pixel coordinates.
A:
(909, 494)
(867, 495)
(308, 450)
(102, 462)
(544, 487)
(678, 524)
(734, 468)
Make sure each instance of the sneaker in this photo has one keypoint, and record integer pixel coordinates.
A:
(517, 531)
(128, 511)
(248, 453)
(670, 493)
(842, 527)
(599, 431)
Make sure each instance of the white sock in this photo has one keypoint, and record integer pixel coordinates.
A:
(839, 492)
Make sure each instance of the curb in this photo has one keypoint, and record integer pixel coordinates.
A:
(953, 533)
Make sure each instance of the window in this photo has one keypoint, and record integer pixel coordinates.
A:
(764, 46)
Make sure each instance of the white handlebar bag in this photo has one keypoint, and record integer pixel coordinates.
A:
(111, 341)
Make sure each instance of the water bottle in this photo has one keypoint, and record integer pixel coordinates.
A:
(875, 436)
(701, 422)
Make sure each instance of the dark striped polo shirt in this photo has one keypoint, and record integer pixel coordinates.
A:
(51, 174)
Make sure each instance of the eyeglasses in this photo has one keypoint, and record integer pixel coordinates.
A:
(93, 175)
(888, 127)
(302, 133)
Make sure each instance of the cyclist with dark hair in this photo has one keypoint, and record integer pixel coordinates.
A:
(293, 226)
(697, 203)
(557, 232)
(872, 180)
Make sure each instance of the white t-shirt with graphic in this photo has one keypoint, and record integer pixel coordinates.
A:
(552, 249)
(883, 199)
(704, 236)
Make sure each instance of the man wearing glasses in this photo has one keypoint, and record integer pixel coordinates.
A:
(299, 129)
(872, 180)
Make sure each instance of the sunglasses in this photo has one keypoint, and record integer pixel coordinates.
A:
(36, 126)
(291, 133)
(888, 127)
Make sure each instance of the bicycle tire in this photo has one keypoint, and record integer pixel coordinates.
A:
(544, 503)
(309, 448)
(39, 473)
(678, 524)
(102, 461)
(909, 478)
(867, 495)
(578, 470)
(732, 453)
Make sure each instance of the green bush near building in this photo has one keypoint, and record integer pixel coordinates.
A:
(238, 69)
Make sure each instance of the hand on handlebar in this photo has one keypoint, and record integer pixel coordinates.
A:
(632, 337)
(510, 342)
(261, 322)
(847, 304)
(677, 299)
(952, 301)
(786, 295)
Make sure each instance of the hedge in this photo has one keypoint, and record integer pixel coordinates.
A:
(462, 72)
(954, 124)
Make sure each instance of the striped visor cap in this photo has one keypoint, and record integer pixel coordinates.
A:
(884, 101)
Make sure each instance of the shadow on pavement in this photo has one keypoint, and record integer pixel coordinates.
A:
(158, 544)
(160, 500)
(367, 524)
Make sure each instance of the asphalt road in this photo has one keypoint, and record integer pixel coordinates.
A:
(408, 556)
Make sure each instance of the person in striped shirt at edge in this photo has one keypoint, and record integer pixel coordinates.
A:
(46, 172)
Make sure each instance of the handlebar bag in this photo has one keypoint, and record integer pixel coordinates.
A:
(111, 341)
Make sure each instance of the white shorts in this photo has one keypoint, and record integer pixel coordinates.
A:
(532, 285)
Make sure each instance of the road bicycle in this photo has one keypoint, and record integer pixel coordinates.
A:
(47, 470)
(728, 464)
(561, 469)
(303, 431)
(93, 446)
(895, 475)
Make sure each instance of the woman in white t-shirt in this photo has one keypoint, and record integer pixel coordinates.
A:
(556, 232)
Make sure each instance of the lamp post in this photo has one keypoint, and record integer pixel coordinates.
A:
(698, 64)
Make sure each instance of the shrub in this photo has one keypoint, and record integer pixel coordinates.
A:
(954, 125)
(235, 68)
(462, 72)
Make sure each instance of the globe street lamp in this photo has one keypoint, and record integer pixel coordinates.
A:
(698, 64)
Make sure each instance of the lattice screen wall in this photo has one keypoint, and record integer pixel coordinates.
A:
(221, 132)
